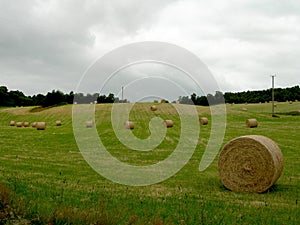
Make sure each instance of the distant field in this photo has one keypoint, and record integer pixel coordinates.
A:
(50, 180)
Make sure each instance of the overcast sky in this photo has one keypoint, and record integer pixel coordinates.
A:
(46, 45)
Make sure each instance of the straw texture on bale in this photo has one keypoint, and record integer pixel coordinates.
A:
(40, 126)
(129, 125)
(19, 124)
(58, 123)
(250, 163)
(153, 108)
(33, 124)
(203, 121)
(168, 123)
(89, 124)
(12, 123)
(26, 124)
(251, 123)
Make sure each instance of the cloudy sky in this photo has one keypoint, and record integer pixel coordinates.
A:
(46, 45)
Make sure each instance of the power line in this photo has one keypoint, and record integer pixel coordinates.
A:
(273, 97)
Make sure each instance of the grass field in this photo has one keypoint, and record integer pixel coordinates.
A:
(45, 179)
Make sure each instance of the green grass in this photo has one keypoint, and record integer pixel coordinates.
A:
(50, 183)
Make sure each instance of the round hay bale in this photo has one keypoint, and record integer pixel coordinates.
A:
(58, 123)
(250, 163)
(203, 121)
(26, 124)
(40, 125)
(244, 109)
(291, 102)
(19, 124)
(89, 124)
(153, 108)
(251, 123)
(168, 123)
(129, 125)
(11, 123)
(155, 101)
(33, 124)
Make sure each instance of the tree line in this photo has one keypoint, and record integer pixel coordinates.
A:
(280, 95)
(56, 97)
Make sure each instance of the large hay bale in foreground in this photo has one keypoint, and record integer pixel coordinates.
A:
(40, 126)
(251, 123)
(26, 124)
(58, 123)
(129, 125)
(203, 121)
(19, 124)
(153, 108)
(89, 124)
(11, 123)
(250, 163)
(168, 123)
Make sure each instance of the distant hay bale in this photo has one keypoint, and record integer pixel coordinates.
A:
(26, 124)
(89, 124)
(129, 125)
(40, 125)
(33, 124)
(251, 123)
(203, 121)
(244, 109)
(58, 123)
(19, 124)
(153, 108)
(155, 101)
(250, 163)
(296, 100)
(291, 102)
(163, 101)
(168, 123)
(11, 123)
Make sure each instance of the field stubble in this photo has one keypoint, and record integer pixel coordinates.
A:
(50, 182)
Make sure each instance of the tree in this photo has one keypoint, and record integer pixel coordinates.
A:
(54, 98)
(3, 95)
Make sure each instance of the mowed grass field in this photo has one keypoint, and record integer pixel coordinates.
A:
(51, 183)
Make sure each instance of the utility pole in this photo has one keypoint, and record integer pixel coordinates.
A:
(122, 93)
(273, 76)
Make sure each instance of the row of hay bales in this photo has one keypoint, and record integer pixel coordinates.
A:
(37, 125)
(266, 102)
(166, 123)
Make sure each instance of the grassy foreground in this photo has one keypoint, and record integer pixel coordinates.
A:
(45, 180)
